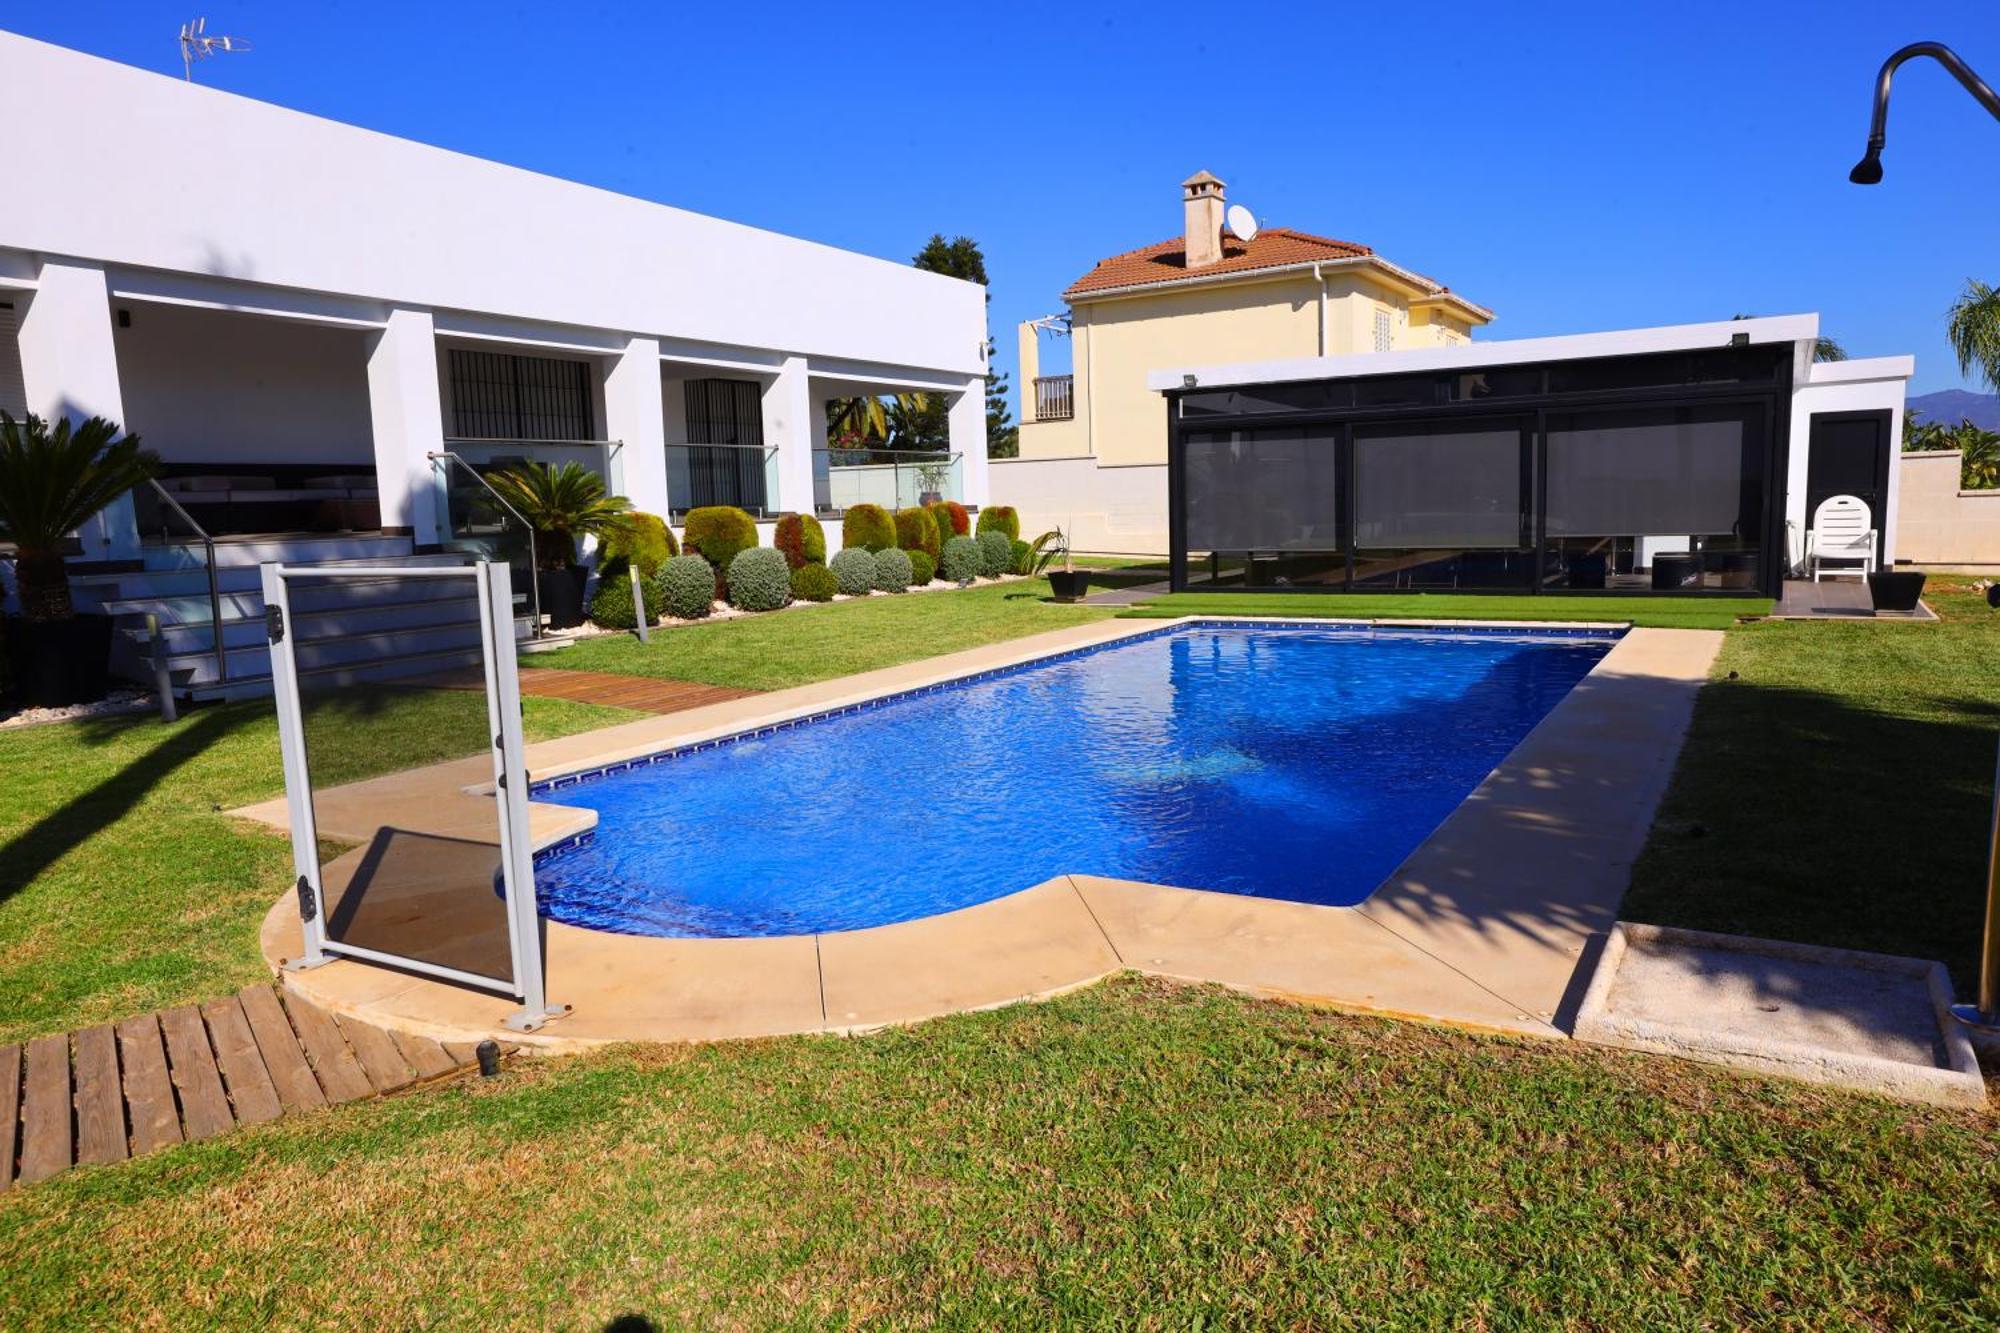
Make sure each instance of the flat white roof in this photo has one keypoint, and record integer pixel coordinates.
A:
(1474, 355)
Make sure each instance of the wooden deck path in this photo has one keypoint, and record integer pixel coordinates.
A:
(122, 1090)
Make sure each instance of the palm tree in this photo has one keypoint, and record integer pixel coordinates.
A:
(1973, 326)
(1978, 457)
(563, 505)
(53, 480)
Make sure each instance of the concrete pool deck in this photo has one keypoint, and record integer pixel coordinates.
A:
(1487, 924)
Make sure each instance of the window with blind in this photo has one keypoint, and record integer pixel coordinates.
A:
(13, 389)
(1263, 490)
(725, 455)
(501, 396)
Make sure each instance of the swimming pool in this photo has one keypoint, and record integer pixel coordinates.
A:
(1285, 761)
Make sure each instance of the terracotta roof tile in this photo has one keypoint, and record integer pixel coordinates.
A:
(1166, 262)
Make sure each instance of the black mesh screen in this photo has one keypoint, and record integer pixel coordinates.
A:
(1274, 489)
(1439, 485)
(1656, 472)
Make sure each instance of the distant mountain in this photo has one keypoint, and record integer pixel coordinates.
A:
(1948, 407)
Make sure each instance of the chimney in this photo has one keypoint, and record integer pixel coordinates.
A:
(1201, 196)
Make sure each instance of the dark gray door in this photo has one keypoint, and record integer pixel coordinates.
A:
(1850, 456)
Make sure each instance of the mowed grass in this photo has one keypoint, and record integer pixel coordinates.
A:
(1660, 612)
(1838, 790)
(1135, 1155)
(811, 643)
(122, 885)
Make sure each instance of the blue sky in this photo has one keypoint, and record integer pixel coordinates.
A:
(1574, 167)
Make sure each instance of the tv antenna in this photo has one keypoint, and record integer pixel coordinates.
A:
(196, 44)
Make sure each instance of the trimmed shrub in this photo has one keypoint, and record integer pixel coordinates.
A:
(922, 568)
(1020, 556)
(718, 532)
(611, 605)
(759, 579)
(996, 552)
(643, 540)
(687, 586)
(892, 570)
(1001, 518)
(814, 583)
(867, 528)
(916, 530)
(961, 560)
(853, 569)
(802, 540)
(951, 519)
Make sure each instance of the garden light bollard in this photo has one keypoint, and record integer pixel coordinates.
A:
(638, 602)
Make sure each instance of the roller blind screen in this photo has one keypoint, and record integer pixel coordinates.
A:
(1657, 472)
(1262, 490)
(1438, 486)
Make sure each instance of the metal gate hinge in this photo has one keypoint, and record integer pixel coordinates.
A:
(274, 623)
(308, 905)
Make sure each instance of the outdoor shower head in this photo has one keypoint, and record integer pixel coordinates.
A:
(1868, 171)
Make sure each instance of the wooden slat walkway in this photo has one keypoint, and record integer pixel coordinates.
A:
(641, 693)
(153, 1080)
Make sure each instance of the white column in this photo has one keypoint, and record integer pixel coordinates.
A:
(634, 414)
(406, 412)
(967, 420)
(788, 424)
(69, 367)
(822, 461)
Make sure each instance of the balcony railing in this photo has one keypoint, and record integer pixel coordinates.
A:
(699, 475)
(1055, 397)
(892, 478)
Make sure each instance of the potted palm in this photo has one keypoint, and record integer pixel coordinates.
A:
(1069, 583)
(563, 504)
(53, 480)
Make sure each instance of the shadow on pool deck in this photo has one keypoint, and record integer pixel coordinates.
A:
(1484, 925)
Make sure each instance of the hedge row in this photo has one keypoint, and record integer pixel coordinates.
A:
(880, 552)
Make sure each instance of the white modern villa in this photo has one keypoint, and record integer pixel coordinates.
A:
(318, 327)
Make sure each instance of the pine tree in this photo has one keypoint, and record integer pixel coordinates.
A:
(960, 258)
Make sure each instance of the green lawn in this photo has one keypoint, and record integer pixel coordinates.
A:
(1135, 1155)
(122, 887)
(1664, 612)
(1838, 790)
(805, 644)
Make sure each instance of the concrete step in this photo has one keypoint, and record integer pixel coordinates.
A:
(114, 592)
(250, 630)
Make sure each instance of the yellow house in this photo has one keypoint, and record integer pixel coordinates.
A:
(1093, 442)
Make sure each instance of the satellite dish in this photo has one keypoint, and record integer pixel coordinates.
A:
(1242, 223)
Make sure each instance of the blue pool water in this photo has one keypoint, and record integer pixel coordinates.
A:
(1299, 763)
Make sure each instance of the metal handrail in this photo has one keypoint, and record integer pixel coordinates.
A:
(765, 449)
(214, 584)
(515, 439)
(534, 562)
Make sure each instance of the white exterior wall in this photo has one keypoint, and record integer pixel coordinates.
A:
(286, 199)
(206, 386)
(1873, 385)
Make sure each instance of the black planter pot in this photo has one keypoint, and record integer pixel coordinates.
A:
(1069, 584)
(1895, 590)
(55, 663)
(561, 592)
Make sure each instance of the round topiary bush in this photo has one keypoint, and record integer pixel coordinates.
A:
(611, 604)
(961, 560)
(802, 540)
(759, 579)
(951, 519)
(892, 570)
(853, 569)
(1020, 556)
(996, 551)
(867, 528)
(922, 568)
(916, 530)
(814, 583)
(718, 532)
(687, 586)
(643, 540)
(1001, 518)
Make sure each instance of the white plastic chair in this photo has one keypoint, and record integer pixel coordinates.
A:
(1842, 531)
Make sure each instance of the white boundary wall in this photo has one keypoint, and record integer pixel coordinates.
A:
(1939, 524)
(1112, 510)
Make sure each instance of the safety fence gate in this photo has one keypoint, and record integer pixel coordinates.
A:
(390, 668)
